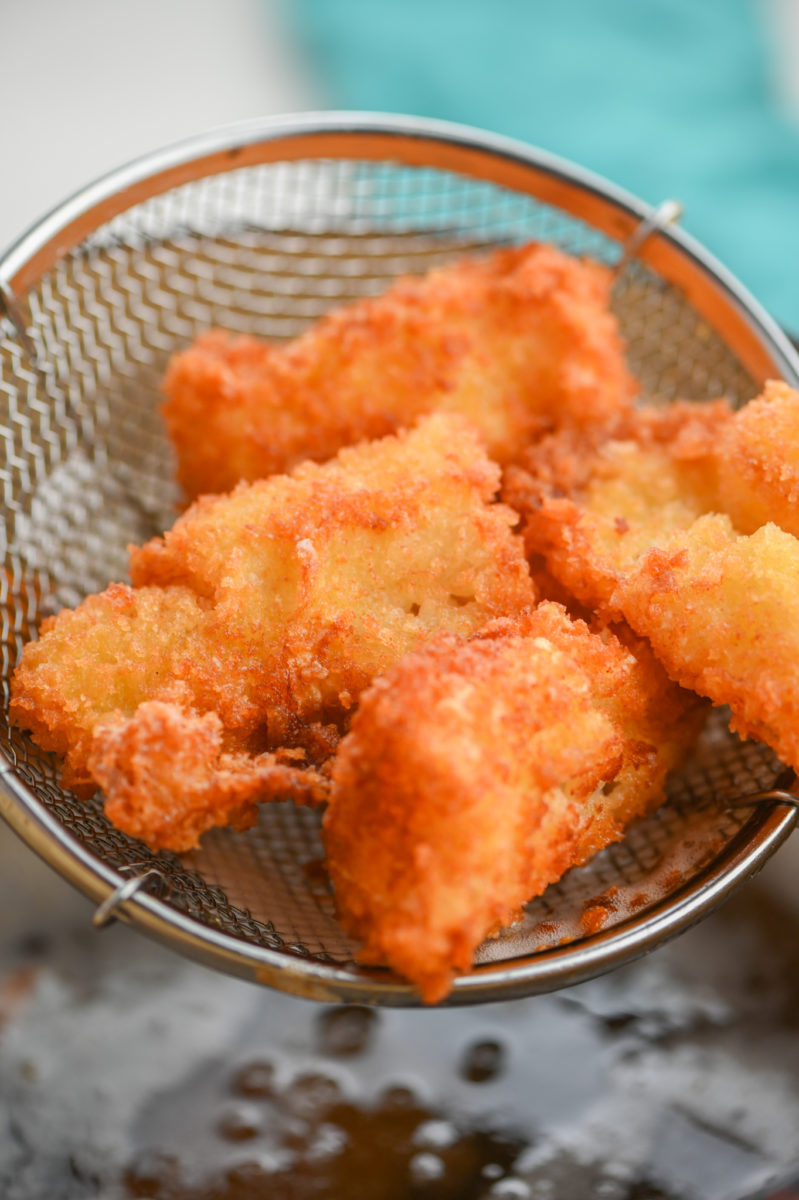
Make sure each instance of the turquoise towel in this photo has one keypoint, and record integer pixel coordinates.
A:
(664, 97)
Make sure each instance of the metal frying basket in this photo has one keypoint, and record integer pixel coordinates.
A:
(260, 230)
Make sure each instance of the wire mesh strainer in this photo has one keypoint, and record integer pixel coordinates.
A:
(260, 230)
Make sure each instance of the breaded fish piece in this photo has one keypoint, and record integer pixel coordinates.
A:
(519, 341)
(689, 537)
(593, 502)
(758, 462)
(167, 780)
(476, 773)
(275, 606)
(721, 611)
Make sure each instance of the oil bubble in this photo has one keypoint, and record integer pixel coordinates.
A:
(254, 1079)
(425, 1167)
(346, 1030)
(240, 1124)
(436, 1135)
(327, 1141)
(153, 1171)
(483, 1061)
(249, 1174)
(311, 1094)
(398, 1097)
(510, 1189)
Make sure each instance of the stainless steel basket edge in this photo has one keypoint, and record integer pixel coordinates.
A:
(56, 235)
(714, 291)
(545, 971)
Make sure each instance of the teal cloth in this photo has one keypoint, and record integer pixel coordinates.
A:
(664, 97)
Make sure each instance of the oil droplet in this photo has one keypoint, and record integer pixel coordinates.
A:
(397, 1098)
(543, 1189)
(248, 1175)
(327, 1141)
(424, 1168)
(254, 1079)
(153, 1172)
(510, 1189)
(346, 1030)
(482, 1062)
(311, 1094)
(436, 1135)
(239, 1124)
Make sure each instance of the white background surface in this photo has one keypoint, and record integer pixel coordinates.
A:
(90, 84)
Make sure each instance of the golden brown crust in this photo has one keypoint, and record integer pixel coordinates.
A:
(518, 341)
(632, 525)
(472, 778)
(721, 611)
(592, 501)
(166, 779)
(274, 607)
(113, 651)
(759, 462)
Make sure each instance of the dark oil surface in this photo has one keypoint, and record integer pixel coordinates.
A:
(127, 1072)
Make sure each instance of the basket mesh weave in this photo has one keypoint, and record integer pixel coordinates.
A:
(86, 469)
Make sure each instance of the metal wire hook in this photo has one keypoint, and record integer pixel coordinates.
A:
(107, 911)
(775, 795)
(668, 212)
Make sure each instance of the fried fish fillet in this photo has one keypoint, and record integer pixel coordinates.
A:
(758, 462)
(686, 530)
(721, 611)
(167, 780)
(593, 502)
(273, 607)
(476, 773)
(518, 341)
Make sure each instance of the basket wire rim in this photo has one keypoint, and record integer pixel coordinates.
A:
(548, 970)
(249, 142)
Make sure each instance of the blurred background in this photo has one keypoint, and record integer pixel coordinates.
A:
(666, 98)
(675, 1079)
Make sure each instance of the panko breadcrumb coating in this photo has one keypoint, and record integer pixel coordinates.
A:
(167, 780)
(476, 773)
(686, 529)
(519, 341)
(758, 462)
(273, 607)
(593, 502)
(721, 611)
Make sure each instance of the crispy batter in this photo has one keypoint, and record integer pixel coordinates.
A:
(166, 779)
(758, 462)
(476, 773)
(636, 531)
(518, 341)
(657, 719)
(593, 502)
(721, 611)
(274, 607)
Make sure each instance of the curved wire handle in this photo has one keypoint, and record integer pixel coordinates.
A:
(107, 911)
(668, 212)
(779, 794)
